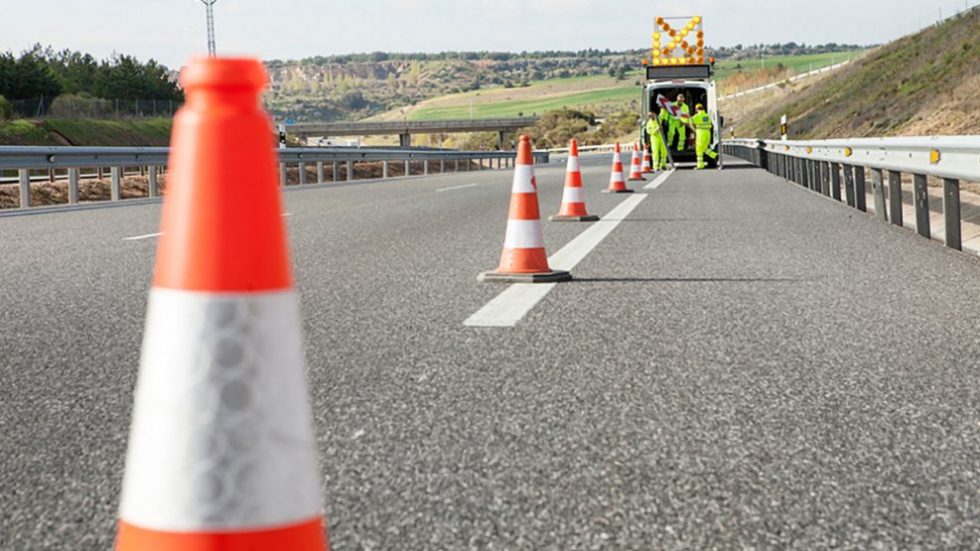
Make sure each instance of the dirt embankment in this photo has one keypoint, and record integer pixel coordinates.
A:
(136, 186)
(923, 84)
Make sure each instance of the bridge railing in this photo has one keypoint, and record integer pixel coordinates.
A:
(26, 166)
(823, 165)
(605, 148)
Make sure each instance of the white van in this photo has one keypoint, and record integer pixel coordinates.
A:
(694, 81)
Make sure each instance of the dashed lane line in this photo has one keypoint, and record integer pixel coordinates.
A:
(659, 180)
(158, 234)
(138, 237)
(455, 187)
(510, 306)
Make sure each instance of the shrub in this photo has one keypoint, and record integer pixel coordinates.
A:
(76, 105)
(6, 110)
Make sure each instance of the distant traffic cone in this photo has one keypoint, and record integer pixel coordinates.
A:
(636, 172)
(221, 448)
(647, 166)
(524, 258)
(572, 198)
(617, 183)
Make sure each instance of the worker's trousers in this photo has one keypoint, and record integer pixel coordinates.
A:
(659, 151)
(679, 128)
(702, 146)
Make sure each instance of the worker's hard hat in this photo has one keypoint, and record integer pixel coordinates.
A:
(699, 106)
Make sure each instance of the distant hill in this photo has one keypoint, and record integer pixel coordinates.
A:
(363, 85)
(923, 84)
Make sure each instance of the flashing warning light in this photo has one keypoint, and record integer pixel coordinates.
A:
(678, 50)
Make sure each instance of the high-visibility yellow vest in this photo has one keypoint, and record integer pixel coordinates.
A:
(702, 121)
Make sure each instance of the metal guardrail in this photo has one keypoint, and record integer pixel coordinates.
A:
(820, 164)
(791, 79)
(72, 160)
(606, 148)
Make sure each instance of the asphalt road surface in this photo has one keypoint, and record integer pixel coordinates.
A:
(739, 363)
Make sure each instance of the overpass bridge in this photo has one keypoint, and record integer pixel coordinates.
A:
(404, 129)
(739, 362)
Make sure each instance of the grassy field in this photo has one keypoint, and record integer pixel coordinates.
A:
(600, 94)
(142, 132)
(796, 63)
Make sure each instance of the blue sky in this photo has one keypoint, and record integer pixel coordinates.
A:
(173, 30)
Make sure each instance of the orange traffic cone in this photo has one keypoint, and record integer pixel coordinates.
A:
(635, 169)
(647, 166)
(617, 183)
(572, 198)
(221, 449)
(524, 258)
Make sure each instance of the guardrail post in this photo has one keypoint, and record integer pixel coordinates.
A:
(282, 174)
(319, 172)
(895, 196)
(849, 186)
(951, 212)
(920, 197)
(835, 181)
(878, 193)
(350, 170)
(425, 167)
(302, 173)
(73, 185)
(334, 171)
(860, 195)
(24, 181)
(442, 166)
(115, 187)
(153, 187)
(408, 168)
(384, 169)
(808, 174)
(456, 169)
(824, 178)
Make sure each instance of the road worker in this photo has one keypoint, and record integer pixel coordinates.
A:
(679, 124)
(655, 136)
(702, 135)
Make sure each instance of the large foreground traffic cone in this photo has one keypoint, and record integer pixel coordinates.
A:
(647, 166)
(572, 198)
(524, 258)
(617, 184)
(221, 449)
(636, 172)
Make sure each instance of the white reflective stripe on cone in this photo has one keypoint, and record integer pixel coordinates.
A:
(617, 158)
(572, 195)
(222, 436)
(617, 177)
(522, 179)
(523, 234)
(572, 165)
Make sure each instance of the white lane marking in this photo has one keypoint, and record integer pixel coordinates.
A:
(577, 249)
(149, 235)
(455, 187)
(137, 237)
(659, 180)
(510, 306)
